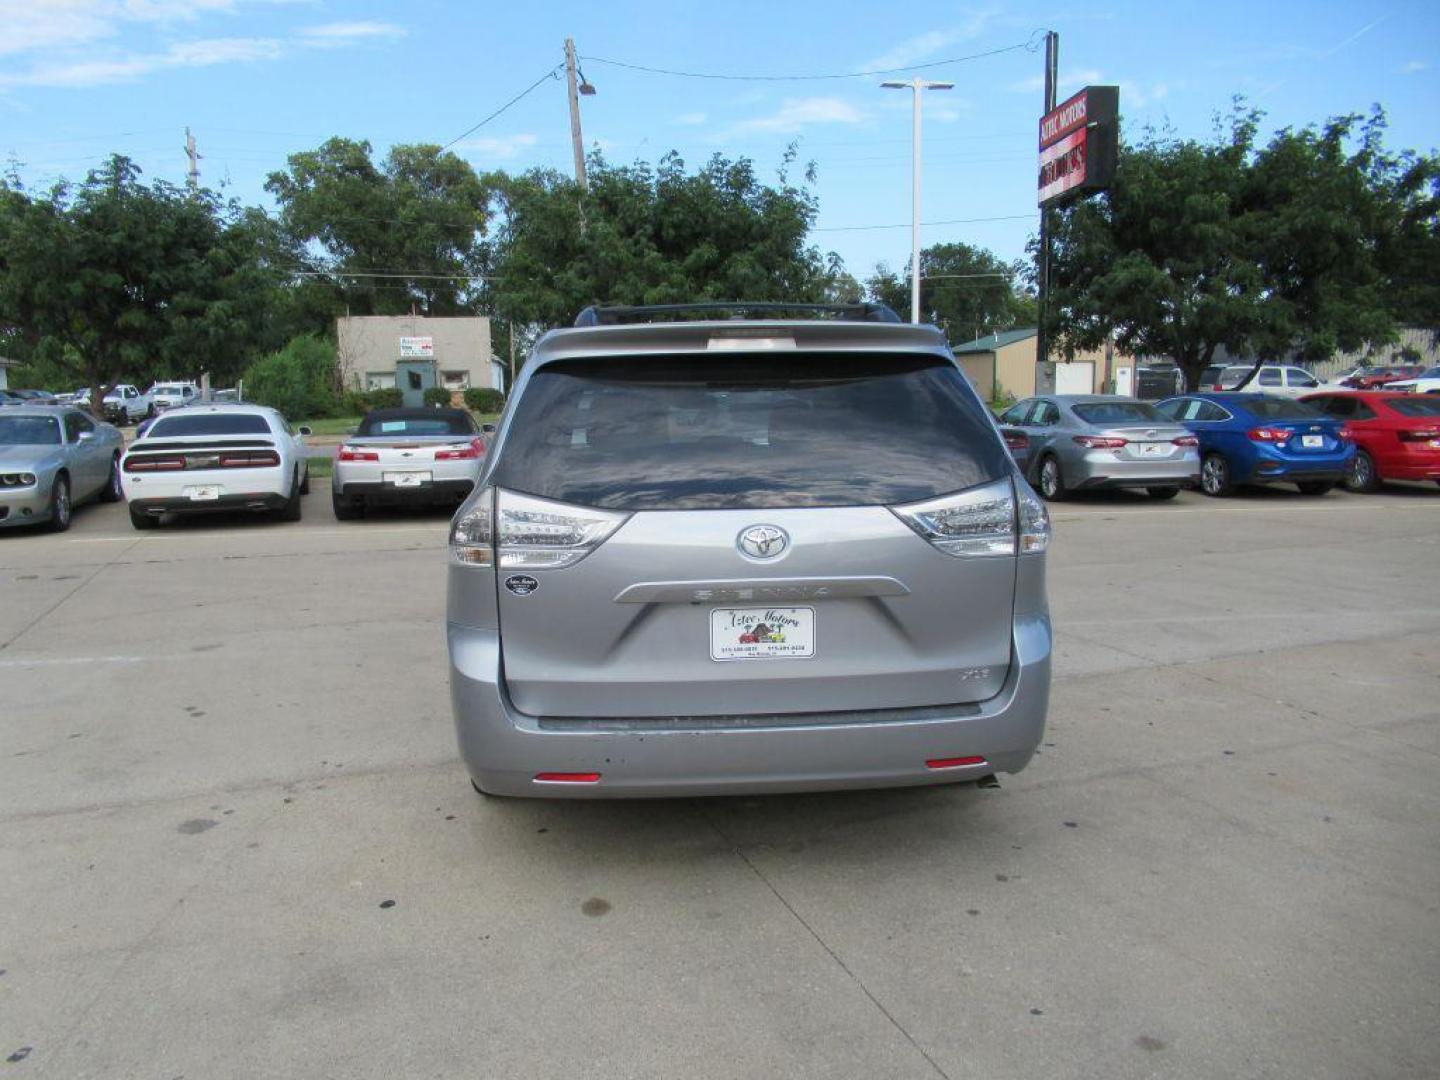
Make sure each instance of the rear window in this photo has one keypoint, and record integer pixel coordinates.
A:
(1118, 412)
(444, 424)
(209, 424)
(1418, 407)
(748, 433)
(1278, 408)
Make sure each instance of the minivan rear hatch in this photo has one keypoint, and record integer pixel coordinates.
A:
(756, 553)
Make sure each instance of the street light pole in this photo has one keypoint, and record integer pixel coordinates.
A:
(915, 86)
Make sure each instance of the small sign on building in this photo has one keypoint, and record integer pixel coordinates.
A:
(417, 348)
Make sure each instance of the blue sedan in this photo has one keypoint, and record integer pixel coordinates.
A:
(1262, 439)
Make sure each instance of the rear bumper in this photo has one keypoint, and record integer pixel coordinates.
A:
(1102, 469)
(504, 749)
(428, 491)
(258, 501)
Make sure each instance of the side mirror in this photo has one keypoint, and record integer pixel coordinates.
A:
(304, 430)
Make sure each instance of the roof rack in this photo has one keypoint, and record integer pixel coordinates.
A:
(616, 315)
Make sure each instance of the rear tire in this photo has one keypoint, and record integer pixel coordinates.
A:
(60, 504)
(1162, 493)
(305, 484)
(1215, 476)
(1314, 487)
(1363, 476)
(345, 508)
(1052, 482)
(111, 492)
(291, 510)
(141, 520)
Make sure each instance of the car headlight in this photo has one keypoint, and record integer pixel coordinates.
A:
(24, 479)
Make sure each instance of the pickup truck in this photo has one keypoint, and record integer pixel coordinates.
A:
(169, 394)
(126, 404)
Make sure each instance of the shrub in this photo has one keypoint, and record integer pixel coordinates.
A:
(437, 397)
(484, 399)
(387, 397)
(299, 380)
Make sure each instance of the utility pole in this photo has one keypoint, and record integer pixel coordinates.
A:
(575, 137)
(193, 180)
(1042, 336)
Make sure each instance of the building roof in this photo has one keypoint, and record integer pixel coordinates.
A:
(991, 342)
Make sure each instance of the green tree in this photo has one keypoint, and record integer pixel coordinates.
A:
(411, 224)
(1310, 243)
(113, 279)
(966, 291)
(642, 235)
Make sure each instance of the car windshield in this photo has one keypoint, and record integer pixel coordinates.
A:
(1432, 373)
(745, 432)
(29, 431)
(1418, 406)
(1279, 408)
(1118, 412)
(208, 424)
(418, 424)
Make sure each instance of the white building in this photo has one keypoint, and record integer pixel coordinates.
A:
(415, 353)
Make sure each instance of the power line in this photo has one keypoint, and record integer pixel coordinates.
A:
(947, 221)
(553, 73)
(1029, 43)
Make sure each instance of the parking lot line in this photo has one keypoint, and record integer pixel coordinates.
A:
(54, 661)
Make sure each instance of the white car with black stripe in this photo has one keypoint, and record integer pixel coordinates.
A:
(206, 458)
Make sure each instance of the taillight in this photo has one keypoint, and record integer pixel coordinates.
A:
(978, 522)
(1100, 442)
(1016, 440)
(249, 459)
(1186, 440)
(154, 464)
(567, 777)
(1267, 434)
(1419, 435)
(353, 453)
(520, 532)
(473, 449)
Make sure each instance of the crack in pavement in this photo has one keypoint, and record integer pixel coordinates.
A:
(740, 854)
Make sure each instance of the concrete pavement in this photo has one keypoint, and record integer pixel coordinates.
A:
(237, 841)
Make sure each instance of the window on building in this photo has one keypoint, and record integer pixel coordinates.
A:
(380, 380)
(455, 380)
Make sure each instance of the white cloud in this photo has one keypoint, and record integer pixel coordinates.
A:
(189, 54)
(795, 113)
(690, 119)
(921, 47)
(1410, 67)
(30, 25)
(341, 33)
(1068, 83)
(498, 147)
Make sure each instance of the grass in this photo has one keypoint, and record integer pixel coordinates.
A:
(322, 466)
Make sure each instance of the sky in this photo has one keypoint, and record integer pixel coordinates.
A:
(256, 80)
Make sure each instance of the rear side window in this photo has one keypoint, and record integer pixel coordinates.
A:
(1118, 412)
(209, 424)
(1418, 407)
(687, 433)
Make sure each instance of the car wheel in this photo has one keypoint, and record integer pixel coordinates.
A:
(60, 504)
(149, 411)
(305, 483)
(141, 520)
(1215, 476)
(1314, 487)
(291, 510)
(1362, 475)
(1052, 483)
(345, 509)
(1162, 492)
(112, 492)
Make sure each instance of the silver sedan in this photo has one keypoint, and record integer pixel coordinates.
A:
(51, 458)
(1088, 441)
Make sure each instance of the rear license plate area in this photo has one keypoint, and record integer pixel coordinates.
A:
(773, 633)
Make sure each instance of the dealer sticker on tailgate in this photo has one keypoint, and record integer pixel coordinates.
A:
(762, 633)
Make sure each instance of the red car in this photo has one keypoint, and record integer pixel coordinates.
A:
(1376, 378)
(1397, 436)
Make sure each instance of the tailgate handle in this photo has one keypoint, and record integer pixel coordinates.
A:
(759, 590)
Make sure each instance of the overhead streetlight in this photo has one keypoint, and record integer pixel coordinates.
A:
(915, 86)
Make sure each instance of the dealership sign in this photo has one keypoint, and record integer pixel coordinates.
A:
(417, 348)
(1077, 144)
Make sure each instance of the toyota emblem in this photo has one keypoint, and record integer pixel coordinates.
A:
(763, 541)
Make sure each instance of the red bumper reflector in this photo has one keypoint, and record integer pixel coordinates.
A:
(953, 762)
(568, 777)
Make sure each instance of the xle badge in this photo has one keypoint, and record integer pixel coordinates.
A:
(521, 584)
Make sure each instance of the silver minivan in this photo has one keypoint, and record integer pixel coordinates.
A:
(746, 554)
